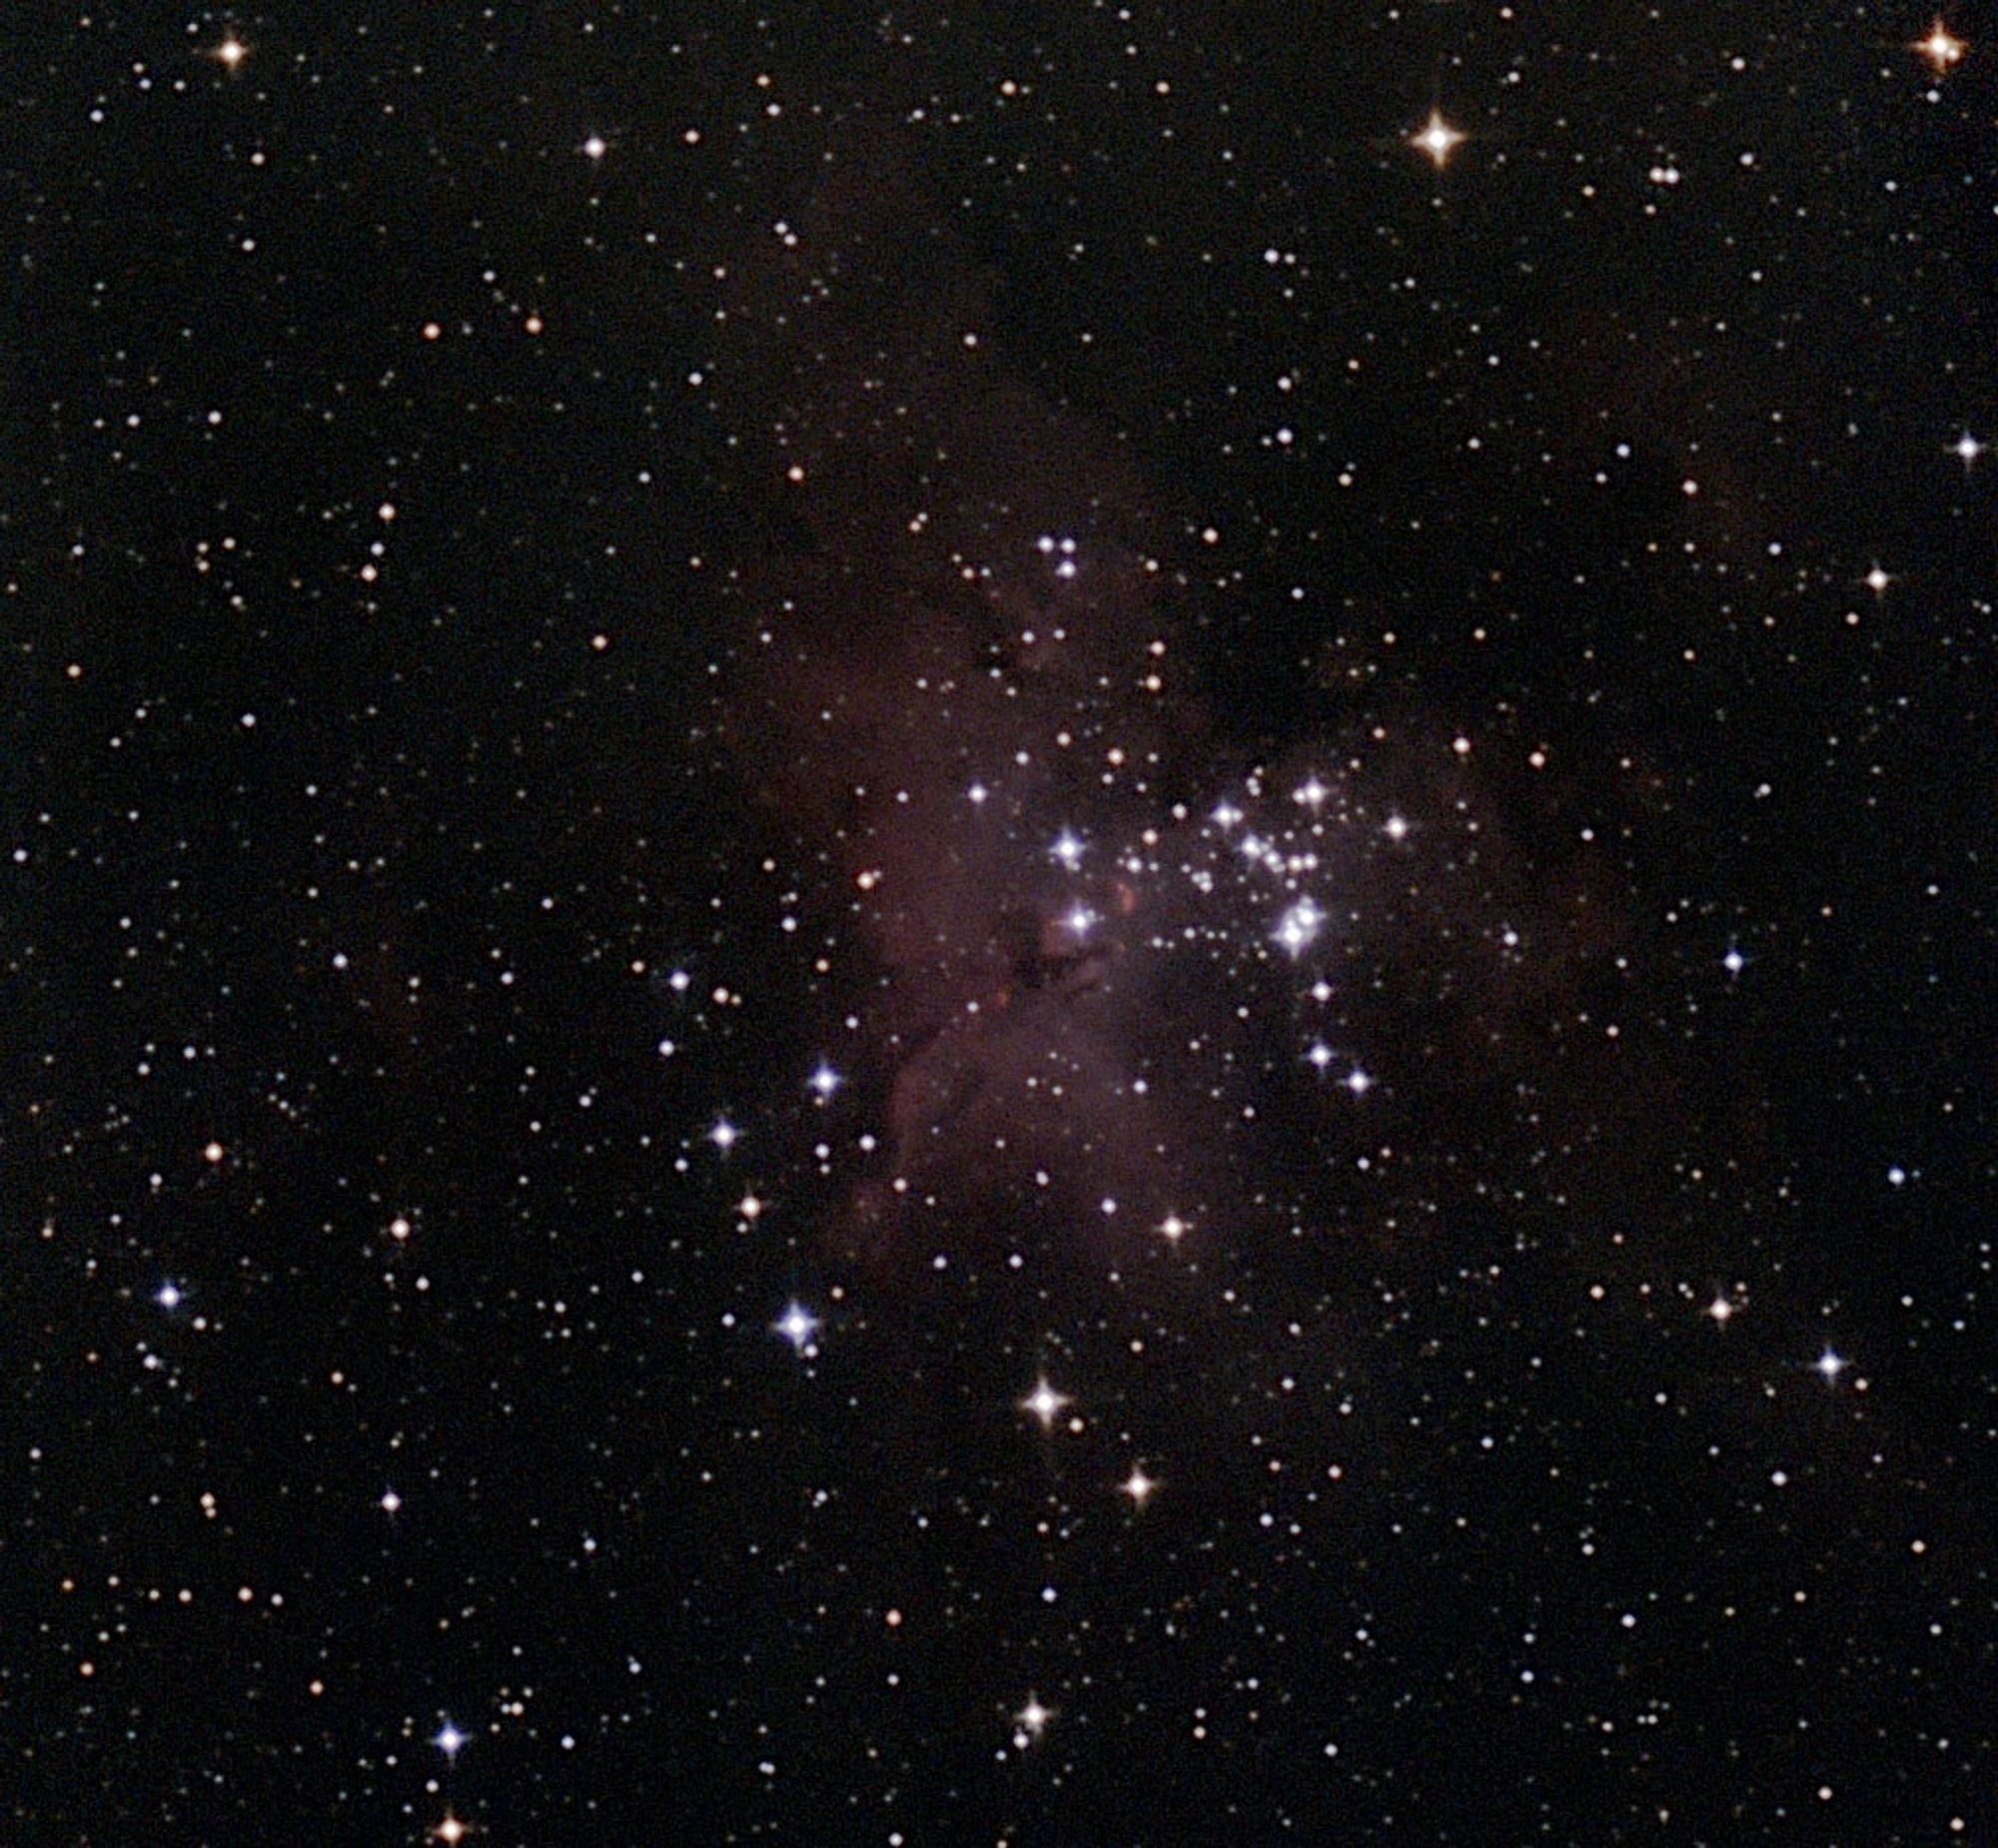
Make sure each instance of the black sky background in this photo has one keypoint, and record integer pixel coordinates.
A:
(337, 902)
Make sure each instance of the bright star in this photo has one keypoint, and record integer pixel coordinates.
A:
(1138, 1485)
(168, 1296)
(1967, 449)
(1437, 138)
(724, 1134)
(451, 1831)
(1830, 1365)
(1045, 1403)
(1358, 1082)
(1395, 828)
(1720, 1309)
(1067, 849)
(824, 1081)
(797, 1324)
(1942, 48)
(1735, 962)
(1033, 1717)
(390, 1502)
(449, 1740)
(231, 52)
(595, 147)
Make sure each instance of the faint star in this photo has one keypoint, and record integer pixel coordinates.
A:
(449, 1740)
(1138, 1485)
(1942, 48)
(1436, 138)
(1045, 1403)
(797, 1324)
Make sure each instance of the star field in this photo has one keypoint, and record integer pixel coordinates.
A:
(1058, 927)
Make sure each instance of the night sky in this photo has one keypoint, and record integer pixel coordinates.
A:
(1048, 926)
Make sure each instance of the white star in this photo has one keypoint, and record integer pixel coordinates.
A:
(594, 147)
(1138, 1485)
(1720, 1309)
(1045, 1403)
(1830, 1365)
(390, 1502)
(1395, 828)
(1034, 1717)
(724, 1134)
(1358, 1082)
(1735, 962)
(1437, 138)
(1967, 449)
(1067, 849)
(168, 1296)
(1173, 1227)
(824, 1081)
(231, 52)
(449, 1740)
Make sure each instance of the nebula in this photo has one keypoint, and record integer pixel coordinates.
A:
(1120, 964)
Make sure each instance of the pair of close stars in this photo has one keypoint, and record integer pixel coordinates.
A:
(1047, 1405)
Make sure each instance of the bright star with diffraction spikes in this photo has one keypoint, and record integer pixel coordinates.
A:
(1436, 138)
